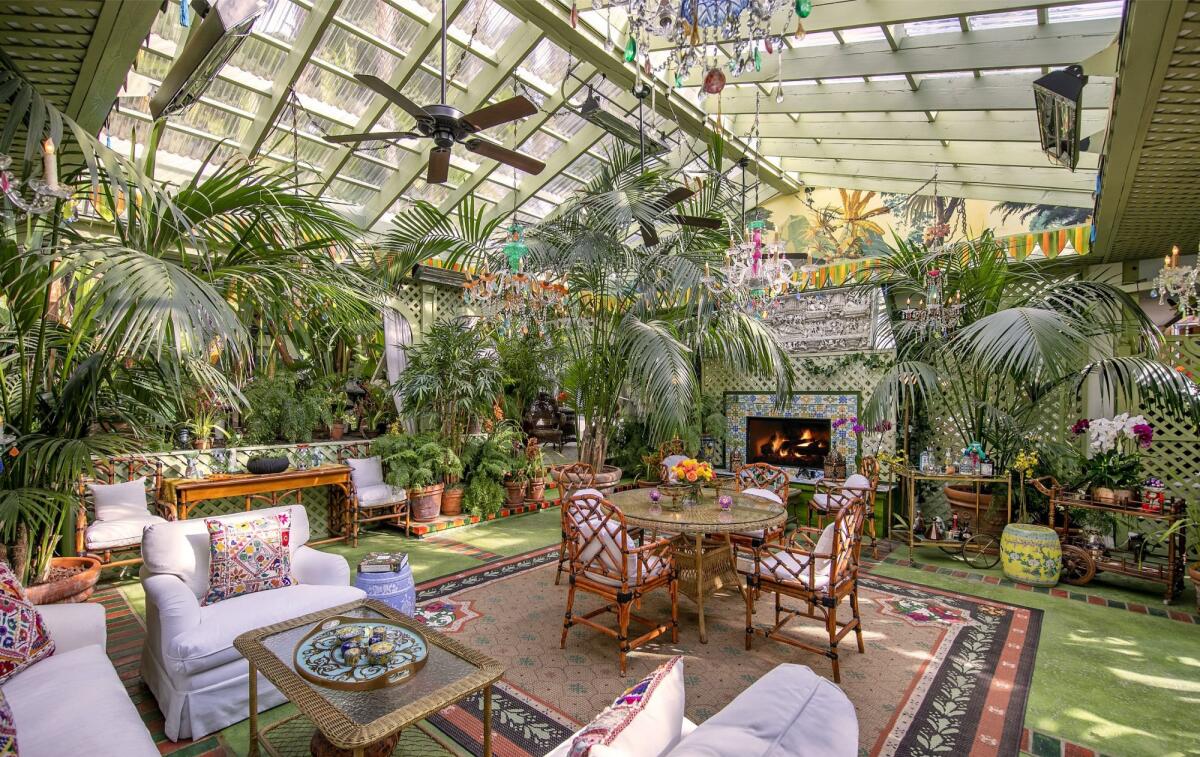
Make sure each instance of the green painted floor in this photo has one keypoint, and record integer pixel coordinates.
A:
(1109, 679)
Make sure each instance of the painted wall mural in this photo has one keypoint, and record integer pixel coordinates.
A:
(841, 225)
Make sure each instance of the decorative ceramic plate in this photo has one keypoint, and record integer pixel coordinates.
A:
(319, 657)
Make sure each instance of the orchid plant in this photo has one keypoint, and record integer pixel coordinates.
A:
(1112, 457)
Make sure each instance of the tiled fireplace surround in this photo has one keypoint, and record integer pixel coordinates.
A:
(740, 405)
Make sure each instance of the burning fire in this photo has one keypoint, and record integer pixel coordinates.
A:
(780, 446)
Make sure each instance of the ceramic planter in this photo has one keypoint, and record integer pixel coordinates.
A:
(1031, 554)
(537, 490)
(426, 503)
(74, 588)
(452, 501)
(963, 499)
(607, 479)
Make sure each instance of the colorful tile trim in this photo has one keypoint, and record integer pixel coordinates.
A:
(1046, 745)
(739, 406)
(1182, 616)
(420, 530)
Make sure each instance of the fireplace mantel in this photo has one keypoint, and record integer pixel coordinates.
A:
(741, 405)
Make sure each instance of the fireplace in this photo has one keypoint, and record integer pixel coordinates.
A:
(799, 442)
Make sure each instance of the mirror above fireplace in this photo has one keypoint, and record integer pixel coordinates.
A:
(799, 442)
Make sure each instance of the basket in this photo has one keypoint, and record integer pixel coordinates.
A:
(265, 465)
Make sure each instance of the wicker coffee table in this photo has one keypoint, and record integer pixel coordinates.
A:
(354, 721)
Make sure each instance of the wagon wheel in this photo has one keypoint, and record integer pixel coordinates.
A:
(981, 551)
(1078, 567)
(954, 550)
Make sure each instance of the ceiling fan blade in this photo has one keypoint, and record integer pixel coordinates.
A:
(439, 166)
(703, 223)
(649, 238)
(505, 155)
(341, 139)
(393, 94)
(500, 113)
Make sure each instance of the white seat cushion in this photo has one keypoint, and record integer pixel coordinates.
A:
(789, 712)
(783, 565)
(74, 703)
(653, 567)
(366, 471)
(125, 532)
(125, 501)
(588, 492)
(210, 644)
(378, 495)
(821, 501)
(763, 494)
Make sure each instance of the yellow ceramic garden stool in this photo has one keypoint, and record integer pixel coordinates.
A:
(1030, 554)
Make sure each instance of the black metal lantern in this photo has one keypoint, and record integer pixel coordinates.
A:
(1059, 97)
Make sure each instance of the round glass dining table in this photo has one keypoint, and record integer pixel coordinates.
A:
(703, 566)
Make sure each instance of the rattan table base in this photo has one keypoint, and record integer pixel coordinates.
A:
(704, 566)
(293, 737)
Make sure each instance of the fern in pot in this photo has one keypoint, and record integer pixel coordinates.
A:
(419, 464)
(487, 463)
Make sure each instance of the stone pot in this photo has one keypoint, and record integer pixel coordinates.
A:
(76, 588)
(1031, 554)
(537, 490)
(426, 503)
(607, 479)
(1108, 496)
(963, 499)
(452, 501)
(514, 493)
(1194, 574)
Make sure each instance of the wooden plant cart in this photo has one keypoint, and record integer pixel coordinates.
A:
(982, 550)
(1082, 561)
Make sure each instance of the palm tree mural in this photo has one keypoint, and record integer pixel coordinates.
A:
(858, 230)
(828, 232)
(1041, 217)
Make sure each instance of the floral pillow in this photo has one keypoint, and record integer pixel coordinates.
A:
(246, 556)
(8, 729)
(646, 720)
(23, 636)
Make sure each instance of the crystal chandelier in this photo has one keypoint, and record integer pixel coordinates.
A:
(46, 191)
(695, 28)
(1179, 285)
(511, 301)
(936, 313)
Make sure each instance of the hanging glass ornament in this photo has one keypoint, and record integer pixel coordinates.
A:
(803, 8)
(515, 248)
(574, 15)
(678, 80)
(770, 47)
(714, 81)
(801, 32)
(757, 60)
(630, 49)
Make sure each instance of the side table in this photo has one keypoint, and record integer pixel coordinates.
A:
(394, 589)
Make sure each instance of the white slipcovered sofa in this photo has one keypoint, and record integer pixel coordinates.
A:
(188, 662)
(789, 712)
(72, 702)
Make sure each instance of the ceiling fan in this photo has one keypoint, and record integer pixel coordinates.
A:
(447, 125)
(670, 199)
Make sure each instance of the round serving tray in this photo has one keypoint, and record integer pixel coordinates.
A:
(318, 656)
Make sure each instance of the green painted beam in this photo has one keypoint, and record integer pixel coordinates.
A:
(119, 32)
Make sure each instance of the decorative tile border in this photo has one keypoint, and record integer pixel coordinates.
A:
(1046, 745)
(740, 405)
(1182, 616)
(420, 530)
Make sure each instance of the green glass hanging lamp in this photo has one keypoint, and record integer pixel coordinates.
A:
(515, 248)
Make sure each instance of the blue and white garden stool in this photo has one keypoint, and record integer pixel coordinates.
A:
(394, 589)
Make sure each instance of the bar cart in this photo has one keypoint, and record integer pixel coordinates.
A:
(1083, 557)
(980, 548)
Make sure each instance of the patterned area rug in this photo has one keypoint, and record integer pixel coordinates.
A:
(943, 673)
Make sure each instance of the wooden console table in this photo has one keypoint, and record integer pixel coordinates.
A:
(267, 488)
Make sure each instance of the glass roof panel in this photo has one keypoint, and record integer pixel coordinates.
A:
(541, 146)
(256, 58)
(365, 170)
(1108, 9)
(536, 207)
(547, 63)
(491, 190)
(862, 34)
(382, 20)
(348, 51)
(495, 24)
(340, 98)
(816, 39)
(566, 123)
(313, 152)
(934, 26)
(461, 67)
(352, 194)
(1003, 20)
(432, 193)
(562, 186)
(213, 121)
(281, 20)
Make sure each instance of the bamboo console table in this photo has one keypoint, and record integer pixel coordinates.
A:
(267, 488)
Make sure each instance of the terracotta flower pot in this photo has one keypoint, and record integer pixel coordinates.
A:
(201, 443)
(73, 588)
(963, 499)
(452, 501)
(1112, 496)
(607, 479)
(1194, 574)
(335, 431)
(537, 490)
(514, 492)
(426, 503)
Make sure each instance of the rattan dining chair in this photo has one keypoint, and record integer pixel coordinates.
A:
(767, 482)
(829, 496)
(819, 574)
(569, 479)
(606, 561)
(101, 538)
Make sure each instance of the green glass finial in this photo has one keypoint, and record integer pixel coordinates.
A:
(630, 50)
(757, 60)
(803, 8)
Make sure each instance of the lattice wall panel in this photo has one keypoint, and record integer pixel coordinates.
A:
(1175, 456)
(315, 500)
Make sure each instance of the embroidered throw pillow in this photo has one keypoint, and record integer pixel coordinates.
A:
(8, 729)
(249, 555)
(23, 636)
(645, 720)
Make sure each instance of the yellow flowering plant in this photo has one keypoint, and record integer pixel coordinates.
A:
(692, 471)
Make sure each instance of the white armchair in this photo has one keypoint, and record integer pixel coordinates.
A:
(188, 662)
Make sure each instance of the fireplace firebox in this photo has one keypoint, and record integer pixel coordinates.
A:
(800, 442)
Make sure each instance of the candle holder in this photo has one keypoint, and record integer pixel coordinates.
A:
(45, 194)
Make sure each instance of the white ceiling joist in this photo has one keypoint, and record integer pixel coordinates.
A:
(1011, 126)
(1008, 92)
(959, 153)
(1048, 177)
(988, 49)
(971, 190)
